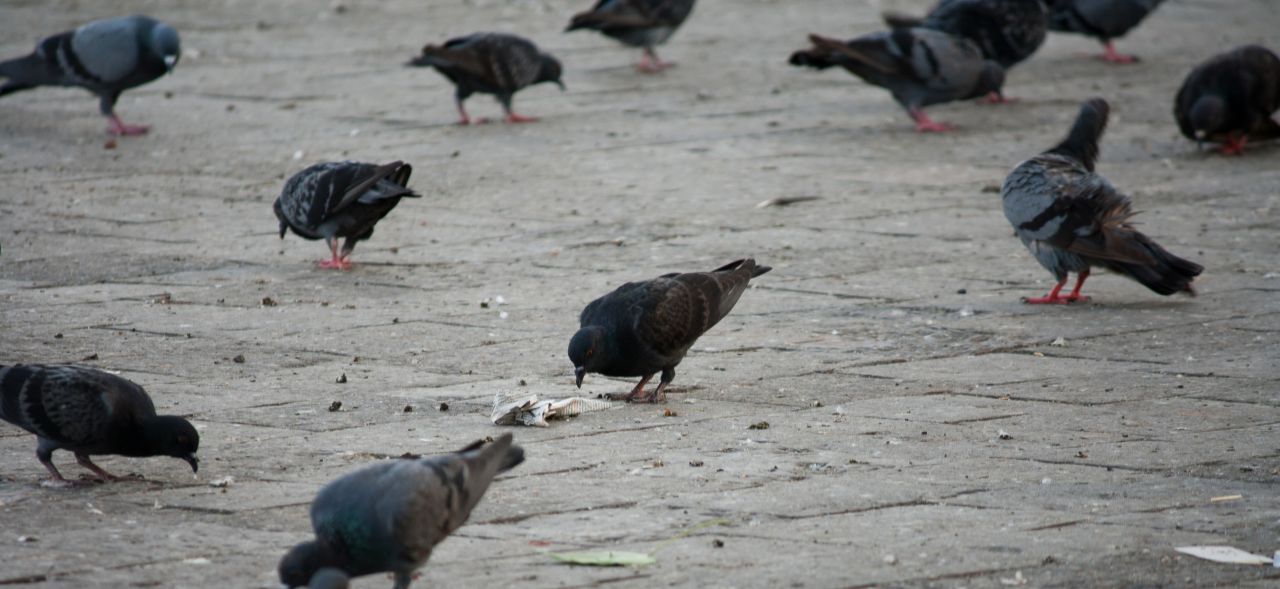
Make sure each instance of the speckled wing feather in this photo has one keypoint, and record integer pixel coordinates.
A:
(608, 15)
(70, 405)
(678, 308)
(1247, 81)
(919, 66)
(389, 516)
(313, 196)
(1103, 19)
(494, 62)
(1070, 218)
(1007, 31)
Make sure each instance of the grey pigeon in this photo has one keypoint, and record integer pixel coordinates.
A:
(1072, 219)
(491, 63)
(643, 328)
(105, 57)
(637, 23)
(1103, 20)
(918, 66)
(1007, 31)
(329, 578)
(90, 412)
(341, 199)
(1230, 99)
(387, 517)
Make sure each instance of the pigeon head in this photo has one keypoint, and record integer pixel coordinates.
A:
(329, 578)
(303, 562)
(163, 43)
(284, 225)
(991, 80)
(170, 435)
(1207, 116)
(588, 350)
(550, 72)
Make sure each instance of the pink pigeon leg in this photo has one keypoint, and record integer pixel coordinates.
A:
(926, 125)
(1109, 55)
(117, 127)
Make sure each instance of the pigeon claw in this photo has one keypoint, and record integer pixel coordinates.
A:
(1055, 300)
(334, 264)
(996, 98)
(1109, 55)
(515, 118)
(118, 128)
(1233, 146)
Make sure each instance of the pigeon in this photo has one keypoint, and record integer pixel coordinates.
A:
(387, 517)
(643, 328)
(1230, 99)
(105, 57)
(491, 63)
(1007, 31)
(918, 66)
(329, 578)
(1101, 19)
(1072, 219)
(638, 23)
(341, 199)
(88, 412)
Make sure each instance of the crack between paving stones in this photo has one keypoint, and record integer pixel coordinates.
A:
(511, 519)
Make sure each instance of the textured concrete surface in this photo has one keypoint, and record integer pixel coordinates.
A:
(924, 429)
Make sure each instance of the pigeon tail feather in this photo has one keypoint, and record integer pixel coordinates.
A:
(1082, 142)
(1169, 274)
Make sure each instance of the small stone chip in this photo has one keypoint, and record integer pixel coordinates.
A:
(695, 463)
(667, 412)
(408, 409)
(760, 425)
(269, 302)
(239, 359)
(717, 543)
(443, 407)
(342, 379)
(335, 406)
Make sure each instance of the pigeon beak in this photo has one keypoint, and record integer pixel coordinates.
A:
(581, 373)
(170, 61)
(561, 85)
(1200, 137)
(193, 461)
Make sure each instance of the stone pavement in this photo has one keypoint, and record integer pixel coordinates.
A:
(924, 428)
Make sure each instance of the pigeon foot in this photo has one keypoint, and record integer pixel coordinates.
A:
(118, 128)
(1109, 55)
(334, 264)
(515, 118)
(1233, 146)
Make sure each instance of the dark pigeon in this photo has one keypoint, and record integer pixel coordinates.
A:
(1230, 99)
(329, 578)
(90, 412)
(643, 328)
(1103, 20)
(341, 199)
(387, 517)
(1007, 31)
(637, 23)
(491, 63)
(1072, 219)
(918, 66)
(105, 57)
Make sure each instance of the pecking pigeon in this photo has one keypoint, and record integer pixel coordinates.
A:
(1072, 219)
(1230, 99)
(387, 517)
(643, 328)
(1007, 31)
(491, 63)
(638, 23)
(105, 57)
(918, 66)
(1101, 19)
(88, 412)
(341, 199)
